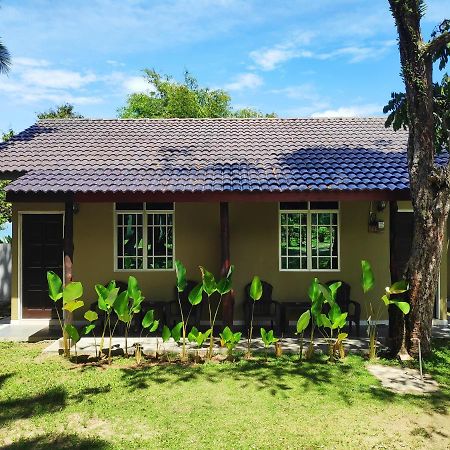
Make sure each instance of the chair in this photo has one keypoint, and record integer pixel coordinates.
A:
(266, 309)
(347, 305)
(172, 312)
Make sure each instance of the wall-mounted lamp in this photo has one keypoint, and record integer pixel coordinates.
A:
(376, 225)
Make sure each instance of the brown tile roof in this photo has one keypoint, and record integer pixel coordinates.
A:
(179, 155)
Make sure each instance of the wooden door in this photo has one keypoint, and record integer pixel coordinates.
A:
(42, 250)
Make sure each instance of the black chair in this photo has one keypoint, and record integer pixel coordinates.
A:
(352, 308)
(172, 311)
(266, 309)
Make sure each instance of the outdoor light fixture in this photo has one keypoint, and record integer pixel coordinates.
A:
(376, 225)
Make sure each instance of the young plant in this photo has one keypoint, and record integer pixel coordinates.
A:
(91, 317)
(335, 319)
(126, 306)
(70, 296)
(230, 339)
(302, 325)
(107, 297)
(210, 286)
(317, 300)
(73, 335)
(368, 282)
(198, 337)
(194, 297)
(268, 339)
(256, 292)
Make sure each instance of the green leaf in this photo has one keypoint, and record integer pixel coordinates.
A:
(256, 289)
(335, 313)
(208, 281)
(263, 335)
(224, 286)
(136, 306)
(133, 288)
(73, 305)
(385, 300)
(166, 334)
(154, 326)
(342, 336)
(54, 286)
(340, 321)
(72, 332)
(226, 334)
(399, 287)
(327, 294)
(324, 321)
(367, 278)
(334, 288)
(303, 321)
(121, 304)
(87, 329)
(180, 271)
(176, 331)
(230, 271)
(404, 307)
(102, 293)
(90, 315)
(196, 295)
(193, 334)
(314, 291)
(73, 291)
(148, 318)
(237, 337)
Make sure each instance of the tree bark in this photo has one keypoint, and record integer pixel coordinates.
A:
(429, 184)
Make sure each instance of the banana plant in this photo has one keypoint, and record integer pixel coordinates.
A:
(210, 286)
(302, 325)
(335, 319)
(91, 317)
(107, 297)
(397, 288)
(70, 296)
(256, 292)
(268, 339)
(230, 339)
(126, 306)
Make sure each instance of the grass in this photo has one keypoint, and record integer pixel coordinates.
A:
(47, 402)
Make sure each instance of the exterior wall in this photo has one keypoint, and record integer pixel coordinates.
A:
(5, 273)
(254, 237)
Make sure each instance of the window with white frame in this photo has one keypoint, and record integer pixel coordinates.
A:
(309, 236)
(144, 236)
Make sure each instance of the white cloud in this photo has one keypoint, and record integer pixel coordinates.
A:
(29, 62)
(244, 81)
(137, 84)
(57, 79)
(350, 111)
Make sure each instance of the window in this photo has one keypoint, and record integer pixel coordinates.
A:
(144, 236)
(309, 236)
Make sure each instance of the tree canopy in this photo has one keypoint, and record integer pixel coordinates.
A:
(167, 98)
(5, 207)
(5, 59)
(64, 111)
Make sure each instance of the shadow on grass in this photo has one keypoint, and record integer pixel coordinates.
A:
(4, 377)
(348, 380)
(69, 441)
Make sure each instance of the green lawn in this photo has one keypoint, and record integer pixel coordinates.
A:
(47, 402)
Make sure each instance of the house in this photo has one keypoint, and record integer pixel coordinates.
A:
(287, 199)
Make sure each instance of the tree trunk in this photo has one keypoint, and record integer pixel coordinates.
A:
(429, 184)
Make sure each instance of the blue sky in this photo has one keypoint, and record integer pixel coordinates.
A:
(298, 58)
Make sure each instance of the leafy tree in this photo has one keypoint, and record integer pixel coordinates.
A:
(167, 98)
(424, 110)
(64, 111)
(5, 59)
(5, 207)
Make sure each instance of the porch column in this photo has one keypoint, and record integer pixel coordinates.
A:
(228, 300)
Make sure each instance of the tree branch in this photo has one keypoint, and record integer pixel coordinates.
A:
(433, 47)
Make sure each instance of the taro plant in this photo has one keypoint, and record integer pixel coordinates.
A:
(91, 317)
(302, 325)
(333, 321)
(198, 337)
(256, 292)
(268, 339)
(317, 300)
(194, 297)
(210, 286)
(230, 339)
(150, 325)
(398, 288)
(126, 306)
(73, 335)
(70, 296)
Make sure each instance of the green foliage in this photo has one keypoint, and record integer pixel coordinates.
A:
(5, 207)
(5, 59)
(166, 333)
(198, 337)
(55, 289)
(196, 295)
(303, 321)
(176, 331)
(64, 111)
(367, 277)
(166, 98)
(90, 316)
(149, 322)
(256, 289)
(230, 339)
(268, 337)
(72, 332)
(208, 281)
(181, 276)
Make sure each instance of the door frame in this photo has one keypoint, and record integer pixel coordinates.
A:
(437, 304)
(19, 261)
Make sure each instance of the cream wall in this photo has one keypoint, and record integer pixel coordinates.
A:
(254, 250)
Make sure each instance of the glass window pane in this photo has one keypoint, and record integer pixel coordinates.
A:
(160, 263)
(120, 263)
(293, 263)
(304, 262)
(129, 206)
(334, 263)
(283, 219)
(293, 206)
(284, 263)
(324, 205)
(324, 263)
(159, 206)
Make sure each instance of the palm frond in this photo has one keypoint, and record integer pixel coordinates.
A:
(5, 59)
